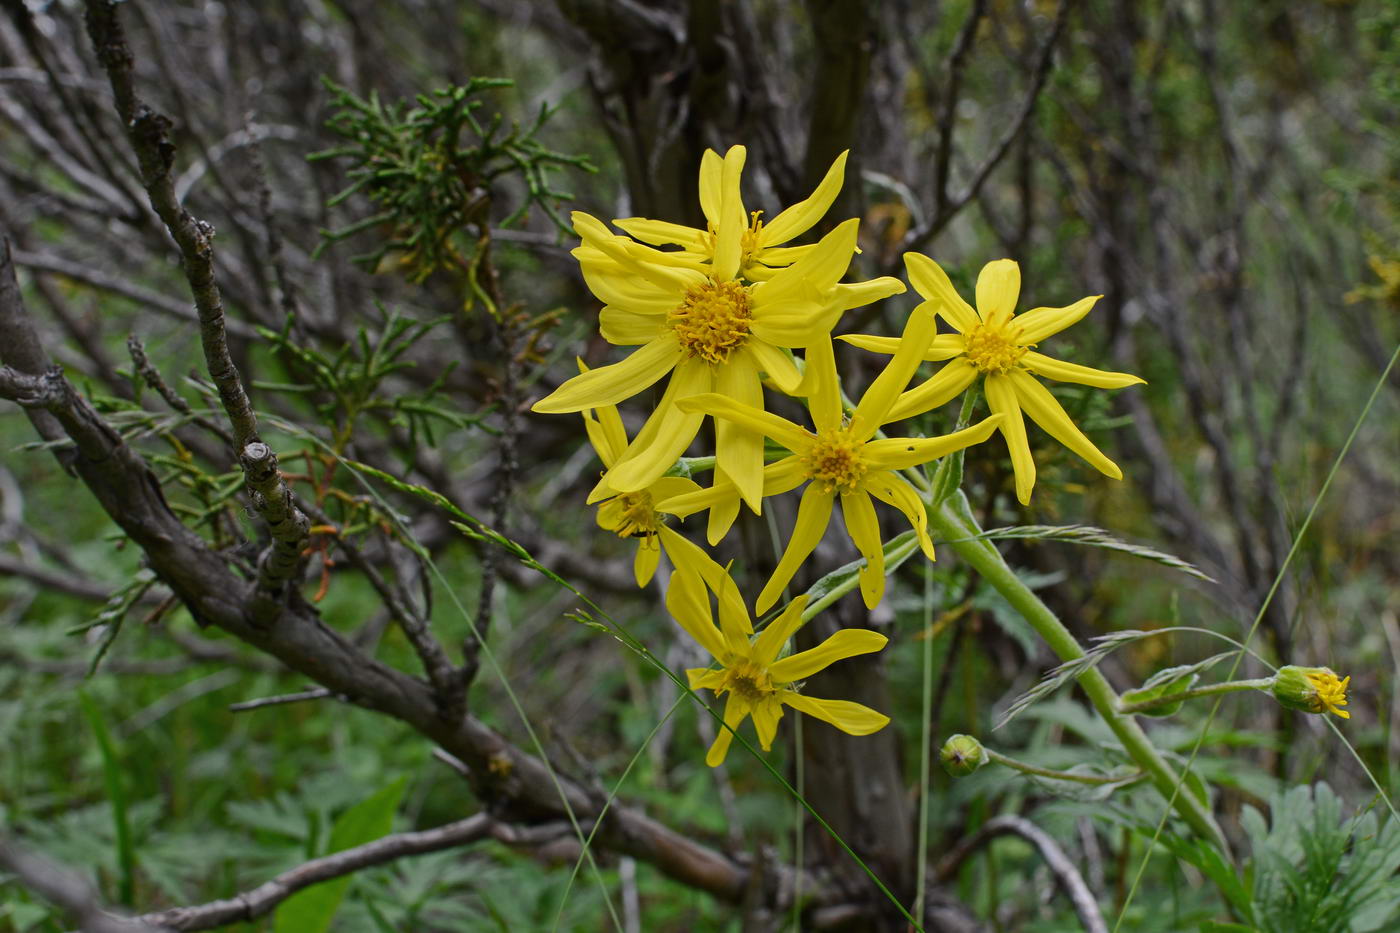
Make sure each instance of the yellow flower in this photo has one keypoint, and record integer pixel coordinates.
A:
(755, 681)
(840, 458)
(995, 342)
(760, 246)
(1311, 689)
(714, 332)
(631, 514)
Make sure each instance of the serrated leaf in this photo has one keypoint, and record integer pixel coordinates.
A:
(311, 910)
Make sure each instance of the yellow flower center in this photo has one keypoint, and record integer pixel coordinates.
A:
(749, 681)
(1331, 692)
(993, 346)
(713, 320)
(634, 513)
(834, 461)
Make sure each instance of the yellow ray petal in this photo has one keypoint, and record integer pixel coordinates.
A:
(697, 501)
(623, 289)
(1039, 323)
(998, 287)
(929, 280)
(1001, 396)
(776, 364)
(754, 419)
(663, 233)
(722, 516)
(669, 487)
(704, 677)
(729, 231)
(688, 602)
(766, 713)
(771, 639)
(734, 618)
(734, 712)
(622, 328)
(863, 525)
(851, 718)
(711, 186)
(846, 295)
(822, 268)
(795, 324)
(802, 216)
(900, 453)
(686, 555)
(813, 513)
(847, 643)
(739, 450)
(1073, 372)
(822, 387)
(626, 252)
(948, 383)
(643, 464)
(944, 346)
(604, 427)
(648, 556)
(874, 407)
(1037, 402)
(608, 385)
(892, 490)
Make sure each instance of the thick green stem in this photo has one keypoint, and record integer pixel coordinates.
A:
(987, 561)
(1229, 686)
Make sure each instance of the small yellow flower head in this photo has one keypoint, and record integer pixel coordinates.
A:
(962, 755)
(713, 320)
(1311, 690)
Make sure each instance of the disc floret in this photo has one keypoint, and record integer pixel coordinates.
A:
(713, 320)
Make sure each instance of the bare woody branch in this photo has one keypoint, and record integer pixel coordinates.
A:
(946, 206)
(148, 133)
(1066, 876)
(519, 787)
(249, 905)
(65, 890)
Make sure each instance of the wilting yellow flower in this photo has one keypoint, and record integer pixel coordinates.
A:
(755, 681)
(995, 342)
(1311, 689)
(761, 252)
(840, 458)
(631, 514)
(716, 333)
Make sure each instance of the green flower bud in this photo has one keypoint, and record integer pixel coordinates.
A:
(1311, 690)
(962, 755)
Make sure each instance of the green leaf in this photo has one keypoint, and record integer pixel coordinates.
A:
(1095, 537)
(116, 794)
(311, 910)
(1170, 681)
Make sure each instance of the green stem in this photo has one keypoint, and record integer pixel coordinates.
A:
(1229, 686)
(1027, 768)
(987, 561)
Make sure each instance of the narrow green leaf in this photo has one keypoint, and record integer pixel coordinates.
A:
(116, 794)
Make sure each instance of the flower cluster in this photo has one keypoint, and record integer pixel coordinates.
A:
(721, 313)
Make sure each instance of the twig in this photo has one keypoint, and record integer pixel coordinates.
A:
(77, 272)
(1066, 875)
(249, 905)
(318, 693)
(149, 135)
(947, 208)
(64, 890)
(153, 378)
(288, 524)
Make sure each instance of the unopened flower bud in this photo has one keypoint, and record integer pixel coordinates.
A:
(962, 755)
(1311, 690)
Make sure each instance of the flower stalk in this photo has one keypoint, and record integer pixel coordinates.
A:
(961, 533)
(1210, 690)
